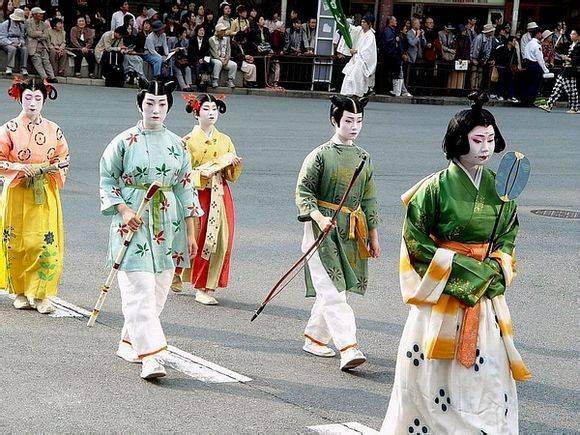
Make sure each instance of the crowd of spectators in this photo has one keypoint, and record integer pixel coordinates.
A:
(192, 44)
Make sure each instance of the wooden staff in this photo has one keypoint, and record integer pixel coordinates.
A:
(148, 196)
(299, 264)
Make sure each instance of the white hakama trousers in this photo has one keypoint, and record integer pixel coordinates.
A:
(331, 316)
(143, 295)
(435, 396)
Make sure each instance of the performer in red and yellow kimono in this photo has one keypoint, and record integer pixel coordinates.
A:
(214, 162)
(457, 362)
(32, 231)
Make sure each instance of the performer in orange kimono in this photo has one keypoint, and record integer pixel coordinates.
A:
(214, 162)
(32, 231)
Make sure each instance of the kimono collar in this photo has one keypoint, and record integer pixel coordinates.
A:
(146, 132)
(335, 140)
(26, 120)
(198, 131)
(475, 181)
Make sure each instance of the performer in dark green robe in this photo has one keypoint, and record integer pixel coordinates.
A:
(340, 264)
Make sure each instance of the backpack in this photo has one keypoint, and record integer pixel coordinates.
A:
(113, 71)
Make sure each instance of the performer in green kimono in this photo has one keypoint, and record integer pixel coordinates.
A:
(457, 362)
(164, 238)
(340, 264)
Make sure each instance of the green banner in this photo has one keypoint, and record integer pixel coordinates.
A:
(336, 9)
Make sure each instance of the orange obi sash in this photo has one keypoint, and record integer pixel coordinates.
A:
(467, 344)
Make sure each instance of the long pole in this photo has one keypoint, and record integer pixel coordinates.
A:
(148, 195)
(515, 14)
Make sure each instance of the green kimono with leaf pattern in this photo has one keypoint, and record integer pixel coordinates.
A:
(449, 207)
(324, 176)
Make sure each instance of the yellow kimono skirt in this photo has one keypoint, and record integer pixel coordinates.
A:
(32, 239)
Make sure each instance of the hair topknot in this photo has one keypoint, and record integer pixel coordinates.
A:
(351, 103)
(194, 102)
(18, 87)
(455, 142)
(157, 88)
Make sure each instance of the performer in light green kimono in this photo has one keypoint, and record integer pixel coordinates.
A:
(340, 264)
(164, 238)
(457, 362)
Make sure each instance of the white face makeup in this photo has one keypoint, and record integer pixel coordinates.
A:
(208, 114)
(154, 111)
(350, 126)
(32, 102)
(481, 145)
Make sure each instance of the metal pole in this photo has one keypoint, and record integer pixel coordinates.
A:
(283, 7)
(515, 14)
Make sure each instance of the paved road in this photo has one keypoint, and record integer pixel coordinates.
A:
(59, 376)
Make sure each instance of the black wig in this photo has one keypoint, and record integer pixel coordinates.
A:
(157, 88)
(350, 103)
(194, 104)
(455, 142)
(19, 86)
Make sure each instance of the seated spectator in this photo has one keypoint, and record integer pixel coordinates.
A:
(37, 43)
(7, 10)
(199, 58)
(174, 13)
(240, 24)
(57, 46)
(13, 41)
(142, 36)
(181, 68)
(132, 62)
(156, 49)
(110, 42)
(81, 38)
(152, 15)
(129, 24)
(244, 60)
(172, 31)
(309, 35)
(200, 15)
(225, 18)
(294, 44)
(220, 51)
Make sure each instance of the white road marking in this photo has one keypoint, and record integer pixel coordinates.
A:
(177, 359)
(350, 428)
(200, 369)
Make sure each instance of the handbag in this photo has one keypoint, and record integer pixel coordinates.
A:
(448, 55)
(264, 47)
(494, 75)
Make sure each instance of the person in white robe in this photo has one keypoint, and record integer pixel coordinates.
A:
(359, 71)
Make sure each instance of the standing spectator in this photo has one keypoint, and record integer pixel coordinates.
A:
(481, 58)
(253, 18)
(81, 39)
(470, 28)
(447, 39)
(531, 28)
(294, 44)
(156, 49)
(118, 18)
(225, 18)
(462, 52)
(291, 17)
(199, 58)
(220, 50)
(240, 24)
(174, 12)
(244, 59)
(309, 35)
(142, 17)
(181, 66)
(391, 51)
(535, 68)
(416, 41)
(506, 61)
(13, 41)
(433, 46)
(37, 43)
(261, 41)
(560, 39)
(567, 79)
(57, 46)
(209, 24)
(548, 48)
(273, 23)
(277, 40)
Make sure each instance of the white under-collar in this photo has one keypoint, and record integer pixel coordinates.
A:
(477, 180)
(335, 139)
